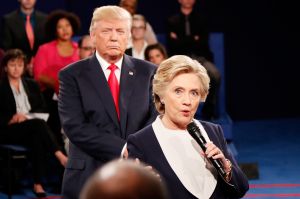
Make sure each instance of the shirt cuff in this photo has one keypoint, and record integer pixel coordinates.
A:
(123, 150)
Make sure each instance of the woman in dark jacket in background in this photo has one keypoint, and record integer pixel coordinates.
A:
(20, 99)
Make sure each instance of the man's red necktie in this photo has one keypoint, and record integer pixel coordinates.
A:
(29, 31)
(114, 86)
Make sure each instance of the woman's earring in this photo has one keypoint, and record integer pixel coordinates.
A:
(162, 102)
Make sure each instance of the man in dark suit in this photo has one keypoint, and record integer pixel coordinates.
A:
(14, 33)
(96, 117)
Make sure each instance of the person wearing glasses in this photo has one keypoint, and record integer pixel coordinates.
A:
(138, 42)
(131, 7)
(86, 47)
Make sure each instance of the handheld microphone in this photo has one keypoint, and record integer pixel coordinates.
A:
(195, 132)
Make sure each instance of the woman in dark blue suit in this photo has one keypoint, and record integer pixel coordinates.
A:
(180, 84)
(20, 99)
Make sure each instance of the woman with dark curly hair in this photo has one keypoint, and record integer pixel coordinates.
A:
(59, 52)
(51, 57)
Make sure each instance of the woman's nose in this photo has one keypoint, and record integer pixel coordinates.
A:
(187, 99)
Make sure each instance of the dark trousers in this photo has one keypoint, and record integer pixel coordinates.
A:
(53, 121)
(36, 136)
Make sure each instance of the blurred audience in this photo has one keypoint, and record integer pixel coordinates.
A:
(123, 179)
(187, 34)
(138, 42)
(156, 53)
(52, 57)
(24, 29)
(86, 47)
(21, 100)
(131, 7)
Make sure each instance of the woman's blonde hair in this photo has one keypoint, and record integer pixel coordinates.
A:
(172, 67)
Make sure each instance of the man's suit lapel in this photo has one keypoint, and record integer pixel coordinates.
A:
(96, 76)
(128, 75)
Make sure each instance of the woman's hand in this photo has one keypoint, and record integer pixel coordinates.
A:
(212, 151)
(17, 118)
(124, 153)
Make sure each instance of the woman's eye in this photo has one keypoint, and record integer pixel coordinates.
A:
(195, 93)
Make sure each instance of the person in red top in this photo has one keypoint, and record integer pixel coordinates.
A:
(58, 53)
(51, 57)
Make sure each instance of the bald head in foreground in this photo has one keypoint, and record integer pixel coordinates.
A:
(123, 180)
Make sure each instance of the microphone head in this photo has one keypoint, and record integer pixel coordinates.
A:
(195, 132)
(192, 127)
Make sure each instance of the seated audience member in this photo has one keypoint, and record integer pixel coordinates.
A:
(131, 7)
(187, 34)
(138, 43)
(52, 57)
(58, 53)
(23, 28)
(86, 47)
(179, 85)
(20, 100)
(124, 179)
(155, 53)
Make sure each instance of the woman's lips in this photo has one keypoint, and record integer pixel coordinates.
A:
(186, 112)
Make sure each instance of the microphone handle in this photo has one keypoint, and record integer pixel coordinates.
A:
(215, 162)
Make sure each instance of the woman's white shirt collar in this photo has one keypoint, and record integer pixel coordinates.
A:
(184, 156)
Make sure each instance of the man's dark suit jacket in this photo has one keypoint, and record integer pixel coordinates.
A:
(8, 103)
(145, 146)
(14, 33)
(128, 51)
(89, 118)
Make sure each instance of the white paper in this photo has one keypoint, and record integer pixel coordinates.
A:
(55, 97)
(43, 116)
